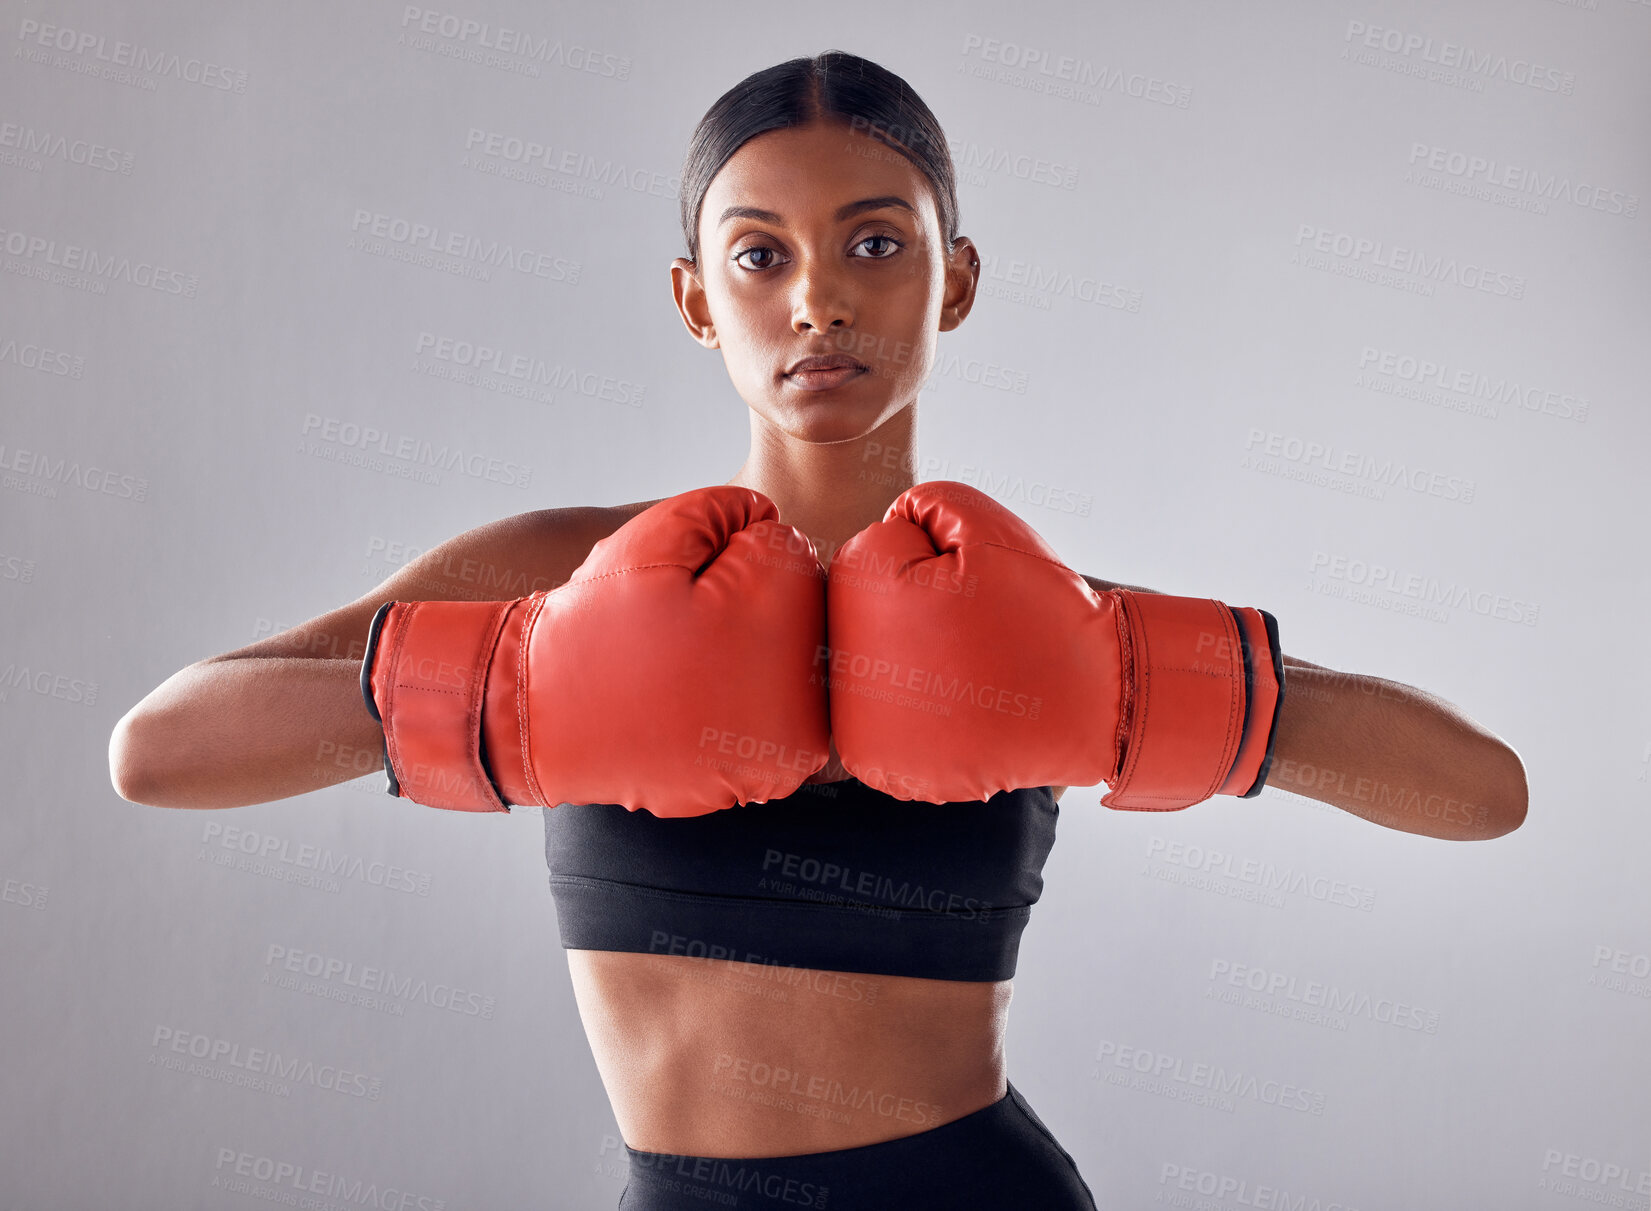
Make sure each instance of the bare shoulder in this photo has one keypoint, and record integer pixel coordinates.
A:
(508, 558)
(1106, 586)
(496, 561)
(517, 555)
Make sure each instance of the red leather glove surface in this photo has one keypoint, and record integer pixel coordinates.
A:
(675, 673)
(966, 659)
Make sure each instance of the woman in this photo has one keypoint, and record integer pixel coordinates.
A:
(823, 259)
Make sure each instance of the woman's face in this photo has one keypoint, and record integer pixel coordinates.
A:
(821, 240)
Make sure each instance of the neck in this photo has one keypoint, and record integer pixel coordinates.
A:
(832, 490)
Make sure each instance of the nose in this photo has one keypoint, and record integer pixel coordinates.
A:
(821, 301)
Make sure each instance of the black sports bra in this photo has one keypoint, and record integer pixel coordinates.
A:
(837, 876)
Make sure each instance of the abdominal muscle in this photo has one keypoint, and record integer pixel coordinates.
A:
(712, 1057)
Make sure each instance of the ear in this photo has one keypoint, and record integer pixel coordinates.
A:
(962, 277)
(691, 303)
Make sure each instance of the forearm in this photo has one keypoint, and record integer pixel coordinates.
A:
(1394, 755)
(229, 732)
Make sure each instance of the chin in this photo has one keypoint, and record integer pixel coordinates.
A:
(824, 420)
(825, 430)
(826, 425)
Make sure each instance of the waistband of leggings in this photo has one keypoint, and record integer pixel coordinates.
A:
(700, 1167)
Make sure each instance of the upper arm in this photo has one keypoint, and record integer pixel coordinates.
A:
(1106, 586)
(499, 561)
(1103, 586)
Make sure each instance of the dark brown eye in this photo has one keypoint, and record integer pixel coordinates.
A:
(744, 252)
(887, 239)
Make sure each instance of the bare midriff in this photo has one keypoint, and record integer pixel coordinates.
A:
(708, 1057)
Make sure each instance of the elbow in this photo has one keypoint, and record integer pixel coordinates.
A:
(132, 770)
(1505, 808)
(126, 771)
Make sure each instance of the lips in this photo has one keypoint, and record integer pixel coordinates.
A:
(833, 361)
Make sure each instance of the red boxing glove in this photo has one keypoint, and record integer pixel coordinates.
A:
(967, 659)
(675, 672)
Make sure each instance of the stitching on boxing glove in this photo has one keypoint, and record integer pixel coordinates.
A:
(1021, 551)
(475, 742)
(528, 625)
(1126, 681)
(1189, 668)
(641, 567)
(1237, 704)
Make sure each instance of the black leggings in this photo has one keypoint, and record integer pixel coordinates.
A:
(999, 1156)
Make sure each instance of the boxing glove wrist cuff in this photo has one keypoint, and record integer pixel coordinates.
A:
(424, 678)
(1263, 702)
(1200, 699)
(504, 710)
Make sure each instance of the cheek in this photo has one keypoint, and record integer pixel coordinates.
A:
(919, 295)
(909, 330)
(752, 319)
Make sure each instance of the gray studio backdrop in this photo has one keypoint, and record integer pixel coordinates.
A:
(1335, 309)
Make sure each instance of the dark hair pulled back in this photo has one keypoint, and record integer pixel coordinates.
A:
(834, 85)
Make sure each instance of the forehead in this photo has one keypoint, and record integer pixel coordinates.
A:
(805, 173)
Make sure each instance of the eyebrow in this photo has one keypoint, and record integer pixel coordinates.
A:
(843, 212)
